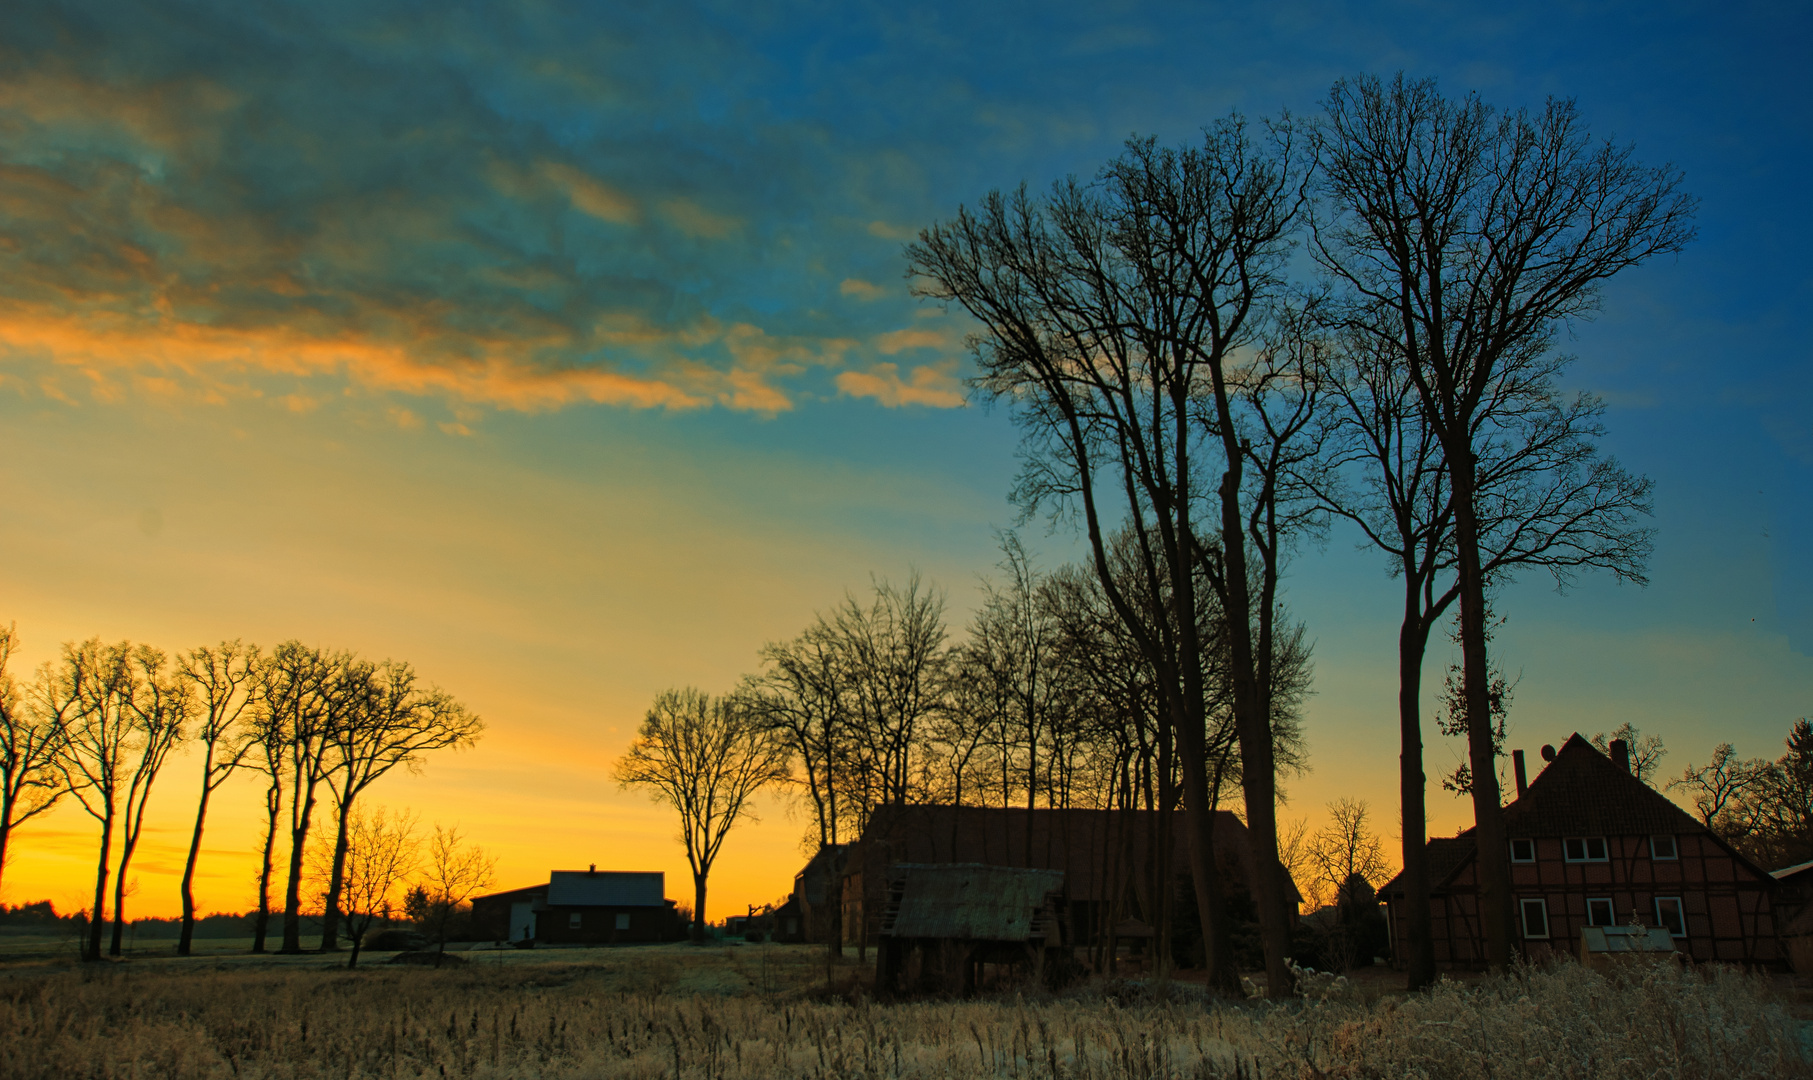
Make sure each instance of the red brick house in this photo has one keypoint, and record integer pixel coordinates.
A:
(1589, 845)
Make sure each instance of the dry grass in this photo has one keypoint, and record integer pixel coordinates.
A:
(726, 1014)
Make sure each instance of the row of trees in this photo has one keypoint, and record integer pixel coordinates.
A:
(1215, 350)
(99, 724)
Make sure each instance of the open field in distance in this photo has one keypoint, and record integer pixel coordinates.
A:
(735, 1012)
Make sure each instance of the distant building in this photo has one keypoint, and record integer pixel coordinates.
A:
(582, 907)
(1592, 846)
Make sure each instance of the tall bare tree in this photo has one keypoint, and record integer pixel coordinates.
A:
(161, 705)
(707, 758)
(1546, 499)
(893, 649)
(30, 739)
(308, 693)
(1111, 315)
(270, 734)
(222, 681)
(1722, 783)
(88, 692)
(1473, 236)
(388, 720)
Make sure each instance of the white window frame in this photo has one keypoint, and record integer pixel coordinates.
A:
(1585, 855)
(1674, 849)
(1523, 916)
(623, 920)
(1680, 912)
(575, 920)
(1521, 840)
(1611, 911)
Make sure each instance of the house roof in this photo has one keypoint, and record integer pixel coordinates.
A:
(1799, 873)
(1581, 793)
(1584, 793)
(1094, 848)
(606, 888)
(969, 901)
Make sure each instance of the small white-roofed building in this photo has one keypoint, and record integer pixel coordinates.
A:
(582, 907)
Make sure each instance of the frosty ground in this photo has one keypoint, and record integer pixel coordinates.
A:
(728, 1012)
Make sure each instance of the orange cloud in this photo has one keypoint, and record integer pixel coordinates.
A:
(694, 220)
(861, 289)
(589, 195)
(931, 385)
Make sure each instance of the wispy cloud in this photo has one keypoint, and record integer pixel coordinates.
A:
(933, 385)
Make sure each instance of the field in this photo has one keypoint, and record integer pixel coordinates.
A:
(746, 1011)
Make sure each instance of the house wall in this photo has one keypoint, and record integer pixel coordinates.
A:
(1727, 907)
(598, 925)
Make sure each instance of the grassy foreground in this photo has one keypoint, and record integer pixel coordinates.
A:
(726, 1014)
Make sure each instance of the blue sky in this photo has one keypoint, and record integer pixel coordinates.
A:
(564, 350)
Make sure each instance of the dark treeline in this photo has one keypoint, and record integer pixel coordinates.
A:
(1762, 807)
(316, 728)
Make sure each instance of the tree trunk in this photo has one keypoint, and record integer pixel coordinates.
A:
(98, 912)
(127, 843)
(292, 894)
(1217, 939)
(6, 832)
(185, 940)
(698, 909)
(1419, 934)
(330, 917)
(261, 923)
(1491, 860)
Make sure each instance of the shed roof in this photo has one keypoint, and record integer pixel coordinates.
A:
(606, 888)
(969, 901)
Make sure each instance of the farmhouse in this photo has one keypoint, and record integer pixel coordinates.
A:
(1123, 870)
(589, 907)
(1592, 846)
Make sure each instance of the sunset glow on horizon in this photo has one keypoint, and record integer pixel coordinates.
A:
(566, 353)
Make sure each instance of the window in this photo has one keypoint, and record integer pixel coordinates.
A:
(1535, 918)
(1662, 848)
(1670, 915)
(1599, 912)
(623, 920)
(1584, 849)
(573, 921)
(1523, 850)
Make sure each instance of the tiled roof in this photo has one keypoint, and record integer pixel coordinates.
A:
(605, 888)
(1447, 854)
(1584, 793)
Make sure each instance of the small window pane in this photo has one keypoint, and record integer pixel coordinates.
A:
(1574, 848)
(1595, 848)
(1662, 848)
(1535, 918)
(573, 921)
(1668, 914)
(1599, 912)
(1584, 849)
(1523, 851)
(623, 920)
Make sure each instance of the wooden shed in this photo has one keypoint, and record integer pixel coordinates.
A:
(942, 921)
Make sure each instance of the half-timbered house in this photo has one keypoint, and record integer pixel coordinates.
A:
(1590, 845)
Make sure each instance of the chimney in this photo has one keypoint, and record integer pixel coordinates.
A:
(592, 869)
(1523, 784)
(1621, 754)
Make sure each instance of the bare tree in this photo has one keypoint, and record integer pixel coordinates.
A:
(87, 692)
(161, 706)
(1721, 784)
(705, 757)
(453, 873)
(1345, 850)
(894, 651)
(270, 733)
(1646, 751)
(309, 693)
(1113, 316)
(30, 740)
(388, 720)
(222, 682)
(1473, 237)
(1547, 500)
(380, 853)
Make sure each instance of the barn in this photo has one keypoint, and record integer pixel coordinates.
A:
(582, 907)
(1592, 846)
(1111, 862)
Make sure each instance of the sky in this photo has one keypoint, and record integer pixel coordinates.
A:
(564, 351)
